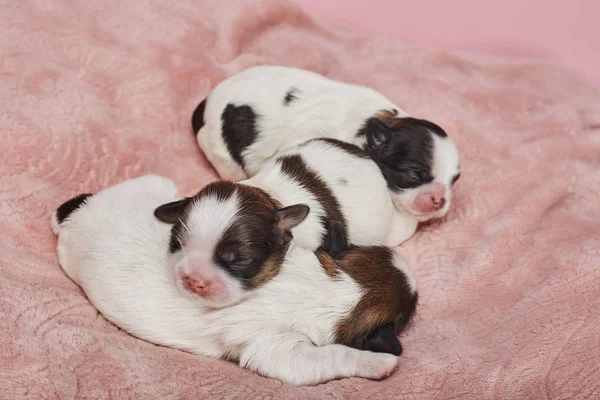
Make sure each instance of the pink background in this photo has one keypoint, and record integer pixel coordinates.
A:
(566, 33)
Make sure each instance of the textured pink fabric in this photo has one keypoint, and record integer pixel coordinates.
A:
(95, 93)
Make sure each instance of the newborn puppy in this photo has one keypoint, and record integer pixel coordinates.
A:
(297, 307)
(253, 116)
(341, 184)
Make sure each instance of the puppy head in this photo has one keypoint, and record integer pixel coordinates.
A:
(418, 160)
(227, 240)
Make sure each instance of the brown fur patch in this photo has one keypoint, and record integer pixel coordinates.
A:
(328, 264)
(255, 197)
(222, 190)
(349, 148)
(253, 248)
(269, 270)
(387, 298)
(388, 117)
(408, 124)
(295, 167)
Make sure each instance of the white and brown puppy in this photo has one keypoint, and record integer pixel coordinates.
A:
(341, 184)
(294, 308)
(253, 116)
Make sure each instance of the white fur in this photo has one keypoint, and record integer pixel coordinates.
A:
(357, 184)
(116, 250)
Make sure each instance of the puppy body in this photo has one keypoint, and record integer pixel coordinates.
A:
(288, 328)
(341, 184)
(285, 107)
(254, 116)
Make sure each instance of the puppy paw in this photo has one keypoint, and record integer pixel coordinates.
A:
(376, 365)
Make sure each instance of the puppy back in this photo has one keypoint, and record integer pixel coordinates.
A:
(389, 295)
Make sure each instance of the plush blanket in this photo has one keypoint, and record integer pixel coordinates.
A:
(92, 93)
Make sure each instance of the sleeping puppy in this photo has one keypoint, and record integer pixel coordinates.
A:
(274, 307)
(253, 116)
(341, 184)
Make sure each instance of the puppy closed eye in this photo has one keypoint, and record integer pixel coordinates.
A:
(233, 261)
(232, 258)
(419, 177)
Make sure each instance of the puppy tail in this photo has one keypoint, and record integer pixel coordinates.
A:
(66, 209)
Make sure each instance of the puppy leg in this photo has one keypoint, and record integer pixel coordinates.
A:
(294, 359)
(217, 154)
(401, 229)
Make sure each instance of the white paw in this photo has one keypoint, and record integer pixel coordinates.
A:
(376, 365)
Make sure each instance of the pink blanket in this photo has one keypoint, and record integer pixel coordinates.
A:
(95, 93)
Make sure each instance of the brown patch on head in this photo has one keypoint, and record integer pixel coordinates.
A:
(252, 248)
(222, 190)
(295, 167)
(328, 264)
(409, 124)
(177, 212)
(349, 148)
(387, 298)
(269, 270)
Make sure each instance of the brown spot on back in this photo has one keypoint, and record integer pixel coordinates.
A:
(387, 298)
(295, 167)
(328, 264)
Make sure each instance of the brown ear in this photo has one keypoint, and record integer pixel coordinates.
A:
(170, 212)
(289, 217)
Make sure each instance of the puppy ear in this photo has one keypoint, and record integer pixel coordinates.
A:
(288, 217)
(335, 243)
(170, 212)
(378, 134)
(384, 340)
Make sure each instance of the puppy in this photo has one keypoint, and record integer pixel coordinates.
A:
(341, 184)
(253, 116)
(276, 308)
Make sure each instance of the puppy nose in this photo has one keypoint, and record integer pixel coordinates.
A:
(432, 199)
(196, 285)
(438, 202)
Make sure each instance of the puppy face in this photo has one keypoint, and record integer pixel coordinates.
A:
(418, 160)
(227, 240)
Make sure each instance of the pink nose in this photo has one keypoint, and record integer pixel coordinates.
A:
(197, 286)
(432, 199)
